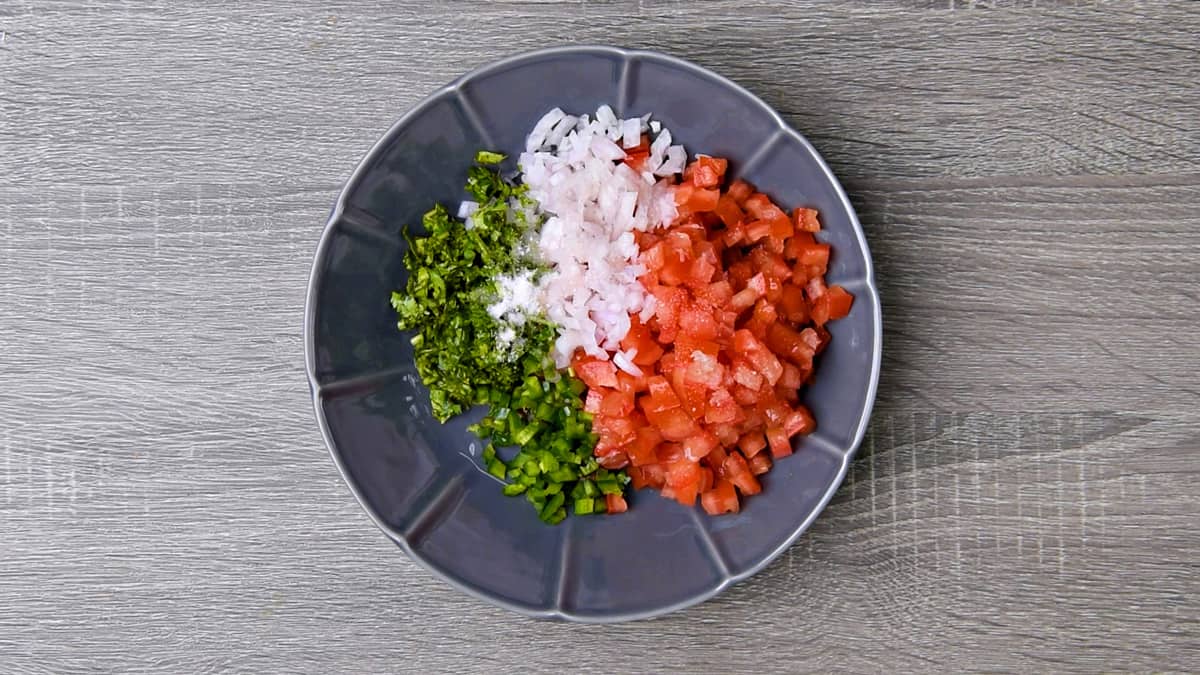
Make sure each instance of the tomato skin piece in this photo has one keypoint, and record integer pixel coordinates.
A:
(615, 504)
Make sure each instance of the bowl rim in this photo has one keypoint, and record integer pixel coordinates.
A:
(316, 274)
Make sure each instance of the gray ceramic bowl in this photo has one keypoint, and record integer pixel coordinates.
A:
(421, 481)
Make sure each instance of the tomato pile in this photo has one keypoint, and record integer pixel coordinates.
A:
(741, 308)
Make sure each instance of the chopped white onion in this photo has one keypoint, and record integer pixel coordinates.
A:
(593, 203)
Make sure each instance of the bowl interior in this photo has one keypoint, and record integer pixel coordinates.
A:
(423, 482)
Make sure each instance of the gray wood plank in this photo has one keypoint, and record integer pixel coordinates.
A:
(1029, 178)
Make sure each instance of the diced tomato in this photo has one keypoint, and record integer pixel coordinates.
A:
(595, 373)
(840, 301)
(751, 443)
(740, 306)
(728, 433)
(682, 471)
(717, 457)
(736, 471)
(789, 344)
(812, 260)
(687, 494)
(617, 430)
(721, 407)
(745, 395)
(798, 240)
(762, 319)
(592, 403)
(806, 220)
(728, 211)
(708, 171)
(777, 438)
(699, 444)
(799, 421)
(691, 198)
(668, 452)
(758, 205)
(617, 404)
(716, 294)
(781, 228)
(640, 338)
(760, 463)
(815, 288)
(661, 397)
(758, 355)
(722, 498)
(642, 450)
(792, 305)
(757, 230)
(792, 378)
(674, 424)
(683, 476)
(697, 322)
(617, 460)
(773, 409)
(704, 369)
(615, 504)
(686, 346)
(650, 475)
(740, 190)
(740, 271)
(745, 375)
(770, 264)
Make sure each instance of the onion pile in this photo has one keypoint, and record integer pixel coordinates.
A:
(578, 171)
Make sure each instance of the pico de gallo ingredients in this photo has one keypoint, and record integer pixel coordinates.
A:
(623, 317)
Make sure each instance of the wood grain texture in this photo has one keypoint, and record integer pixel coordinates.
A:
(1029, 177)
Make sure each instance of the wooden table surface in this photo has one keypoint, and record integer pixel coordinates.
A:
(1028, 174)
